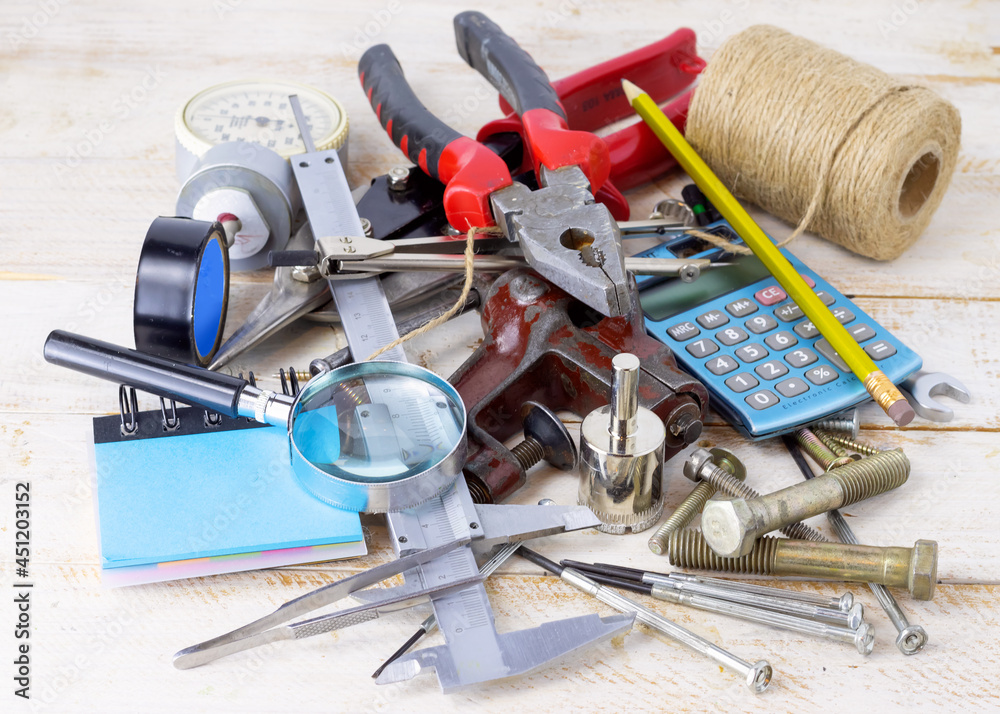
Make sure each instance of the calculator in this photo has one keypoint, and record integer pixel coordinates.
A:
(768, 369)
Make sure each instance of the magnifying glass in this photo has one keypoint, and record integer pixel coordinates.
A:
(371, 436)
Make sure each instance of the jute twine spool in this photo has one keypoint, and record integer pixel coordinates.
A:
(824, 141)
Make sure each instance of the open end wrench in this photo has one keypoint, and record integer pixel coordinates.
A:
(921, 388)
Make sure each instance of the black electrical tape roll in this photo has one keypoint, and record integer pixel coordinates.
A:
(182, 290)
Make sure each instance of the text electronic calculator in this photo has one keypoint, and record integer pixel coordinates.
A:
(768, 369)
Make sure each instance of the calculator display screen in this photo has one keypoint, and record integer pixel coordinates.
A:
(674, 296)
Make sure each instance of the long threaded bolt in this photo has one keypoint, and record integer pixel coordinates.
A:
(858, 447)
(851, 619)
(731, 527)
(756, 676)
(844, 603)
(862, 637)
(910, 639)
(701, 465)
(812, 445)
(912, 568)
(695, 501)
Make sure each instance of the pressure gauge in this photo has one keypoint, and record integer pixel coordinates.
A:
(233, 145)
(257, 111)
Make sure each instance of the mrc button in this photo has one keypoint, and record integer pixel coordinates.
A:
(683, 331)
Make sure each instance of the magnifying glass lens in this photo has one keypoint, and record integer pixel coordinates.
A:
(376, 427)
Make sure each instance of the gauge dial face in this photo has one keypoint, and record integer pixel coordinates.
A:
(259, 112)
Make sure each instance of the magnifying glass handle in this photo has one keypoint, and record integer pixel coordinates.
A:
(162, 377)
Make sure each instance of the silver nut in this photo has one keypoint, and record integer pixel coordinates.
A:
(911, 640)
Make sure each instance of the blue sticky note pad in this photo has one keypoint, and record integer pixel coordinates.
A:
(196, 495)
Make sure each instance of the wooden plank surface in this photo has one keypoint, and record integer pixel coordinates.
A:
(90, 91)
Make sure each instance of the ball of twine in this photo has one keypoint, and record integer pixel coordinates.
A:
(823, 141)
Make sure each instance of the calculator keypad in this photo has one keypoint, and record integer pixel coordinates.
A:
(752, 352)
(731, 336)
(771, 370)
(713, 319)
(761, 400)
(801, 357)
(760, 324)
(741, 308)
(702, 348)
(721, 365)
(781, 341)
(742, 382)
(788, 362)
(683, 331)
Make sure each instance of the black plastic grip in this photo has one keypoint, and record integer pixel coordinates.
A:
(394, 101)
(162, 377)
(495, 55)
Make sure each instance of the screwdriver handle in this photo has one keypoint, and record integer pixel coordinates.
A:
(469, 170)
(526, 87)
(162, 377)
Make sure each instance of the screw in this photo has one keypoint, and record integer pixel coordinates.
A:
(844, 603)
(843, 423)
(700, 465)
(731, 527)
(398, 176)
(366, 227)
(862, 636)
(756, 676)
(830, 444)
(858, 447)
(770, 600)
(817, 449)
(912, 568)
(695, 501)
(545, 438)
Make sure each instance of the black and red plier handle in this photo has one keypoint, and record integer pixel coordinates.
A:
(470, 171)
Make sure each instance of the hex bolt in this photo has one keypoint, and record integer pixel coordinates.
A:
(850, 619)
(695, 501)
(731, 527)
(862, 637)
(812, 445)
(858, 447)
(399, 177)
(701, 465)
(366, 227)
(844, 603)
(910, 639)
(545, 439)
(912, 568)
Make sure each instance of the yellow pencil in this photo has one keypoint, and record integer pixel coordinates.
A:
(883, 391)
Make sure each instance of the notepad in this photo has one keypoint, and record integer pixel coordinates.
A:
(197, 495)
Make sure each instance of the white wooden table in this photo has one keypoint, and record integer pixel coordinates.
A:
(86, 162)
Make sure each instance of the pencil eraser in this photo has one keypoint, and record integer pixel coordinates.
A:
(901, 412)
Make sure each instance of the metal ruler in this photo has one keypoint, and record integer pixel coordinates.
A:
(465, 617)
